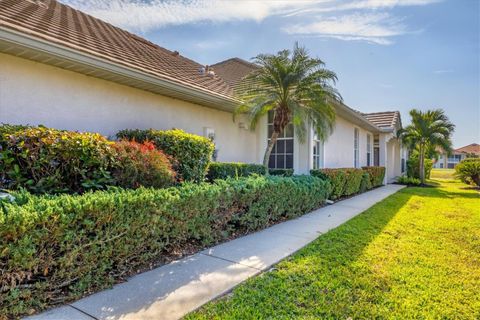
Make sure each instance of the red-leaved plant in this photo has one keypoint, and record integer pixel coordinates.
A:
(141, 164)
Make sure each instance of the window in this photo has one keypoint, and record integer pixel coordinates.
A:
(355, 147)
(282, 152)
(369, 150)
(317, 153)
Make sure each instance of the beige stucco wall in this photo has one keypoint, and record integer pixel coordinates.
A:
(338, 148)
(34, 93)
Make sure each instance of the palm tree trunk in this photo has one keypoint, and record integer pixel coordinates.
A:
(273, 140)
(422, 164)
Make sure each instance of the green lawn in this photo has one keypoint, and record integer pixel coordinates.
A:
(415, 255)
(442, 173)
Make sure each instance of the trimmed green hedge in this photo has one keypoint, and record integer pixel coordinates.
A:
(377, 174)
(281, 172)
(223, 170)
(349, 181)
(468, 171)
(191, 152)
(57, 248)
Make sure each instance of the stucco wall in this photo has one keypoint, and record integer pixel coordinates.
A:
(34, 93)
(339, 146)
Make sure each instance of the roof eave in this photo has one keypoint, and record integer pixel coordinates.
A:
(355, 117)
(34, 48)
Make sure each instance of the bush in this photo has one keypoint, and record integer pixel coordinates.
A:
(45, 160)
(57, 248)
(408, 181)
(377, 174)
(141, 164)
(413, 167)
(366, 183)
(281, 172)
(344, 181)
(223, 170)
(191, 153)
(468, 171)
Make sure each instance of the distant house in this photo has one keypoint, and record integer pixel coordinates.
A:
(445, 161)
(63, 68)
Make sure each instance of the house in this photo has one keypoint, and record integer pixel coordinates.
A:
(66, 69)
(450, 161)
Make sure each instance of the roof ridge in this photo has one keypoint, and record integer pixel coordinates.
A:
(240, 60)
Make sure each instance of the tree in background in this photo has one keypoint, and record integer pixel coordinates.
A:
(428, 130)
(296, 88)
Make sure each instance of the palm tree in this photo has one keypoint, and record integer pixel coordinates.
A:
(296, 88)
(428, 130)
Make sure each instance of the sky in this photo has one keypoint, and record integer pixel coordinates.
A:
(388, 54)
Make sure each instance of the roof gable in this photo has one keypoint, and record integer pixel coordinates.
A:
(471, 148)
(386, 119)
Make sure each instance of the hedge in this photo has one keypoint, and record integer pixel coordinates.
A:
(191, 152)
(348, 181)
(58, 248)
(468, 171)
(223, 170)
(46, 160)
(377, 175)
(281, 172)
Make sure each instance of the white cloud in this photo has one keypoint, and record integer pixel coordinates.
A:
(358, 20)
(138, 15)
(443, 71)
(371, 27)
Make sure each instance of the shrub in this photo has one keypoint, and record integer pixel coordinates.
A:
(344, 181)
(45, 160)
(191, 153)
(61, 247)
(413, 167)
(408, 181)
(281, 172)
(377, 174)
(223, 170)
(141, 164)
(468, 171)
(366, 183)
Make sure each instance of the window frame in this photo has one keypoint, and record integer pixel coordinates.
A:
(369, 149)
(356, 147)
(288, 134)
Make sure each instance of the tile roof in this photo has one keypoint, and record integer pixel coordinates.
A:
(62, 24)
(233, 70)
(471, 148)
(386, 119)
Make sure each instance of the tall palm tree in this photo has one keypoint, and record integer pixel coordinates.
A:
(428, 130)
(296, 88)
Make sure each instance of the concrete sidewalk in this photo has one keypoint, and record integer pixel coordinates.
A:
(173, 290)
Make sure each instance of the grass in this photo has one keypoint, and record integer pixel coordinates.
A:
(442, 173)
(415, 255)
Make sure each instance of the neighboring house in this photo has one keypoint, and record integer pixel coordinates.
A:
(63, 68)
(450, 161)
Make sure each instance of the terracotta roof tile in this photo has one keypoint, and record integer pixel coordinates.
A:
(387, 119)
(471, 148)
(233, 70)
(62, 24)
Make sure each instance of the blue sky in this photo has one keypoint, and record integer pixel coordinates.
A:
(388, 54)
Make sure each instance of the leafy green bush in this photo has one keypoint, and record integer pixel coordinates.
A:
(57, 248)
(191, 153)
(223, 170)
(410, 181)
(345, 181)
(413, 167)
(141, 164)
(366, 183)
(377, 174)
(45, 160)
(281, 172)
(468, 170)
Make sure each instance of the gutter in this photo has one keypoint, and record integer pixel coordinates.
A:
(79, 56)
(361, 119)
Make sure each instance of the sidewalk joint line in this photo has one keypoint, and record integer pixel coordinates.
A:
(80, 310)
(211, 255)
